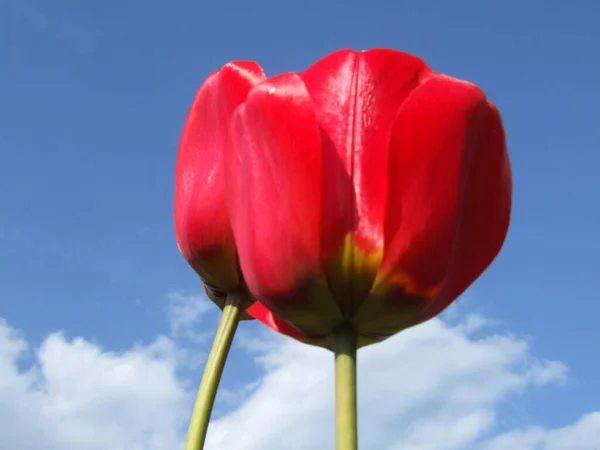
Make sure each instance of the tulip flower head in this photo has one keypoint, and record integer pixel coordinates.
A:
(368, 190)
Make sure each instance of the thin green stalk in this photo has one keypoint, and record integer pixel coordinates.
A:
(346, 427)
(205, 399)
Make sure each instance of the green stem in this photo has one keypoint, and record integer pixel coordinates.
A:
(344, 347)
(213, 370)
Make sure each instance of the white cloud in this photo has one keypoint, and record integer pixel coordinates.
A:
(434, 387)
(77, 396)
(583, 435)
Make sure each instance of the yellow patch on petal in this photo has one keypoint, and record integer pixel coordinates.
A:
(392, 305)
(356, 261)
(351, 273)
(378, 303)
(408, 284)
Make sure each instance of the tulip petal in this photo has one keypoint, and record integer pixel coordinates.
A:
(274, 184)
(447, 195)
(357, 96)
(486, 211)
(261, 313)
(432, 144)
(202, 227)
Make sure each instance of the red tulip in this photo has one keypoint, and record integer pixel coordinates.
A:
(368, 189)
(202, 225)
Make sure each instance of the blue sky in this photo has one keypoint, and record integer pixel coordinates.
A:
(92, 101)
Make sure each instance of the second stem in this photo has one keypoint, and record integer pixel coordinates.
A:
(205, 399)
